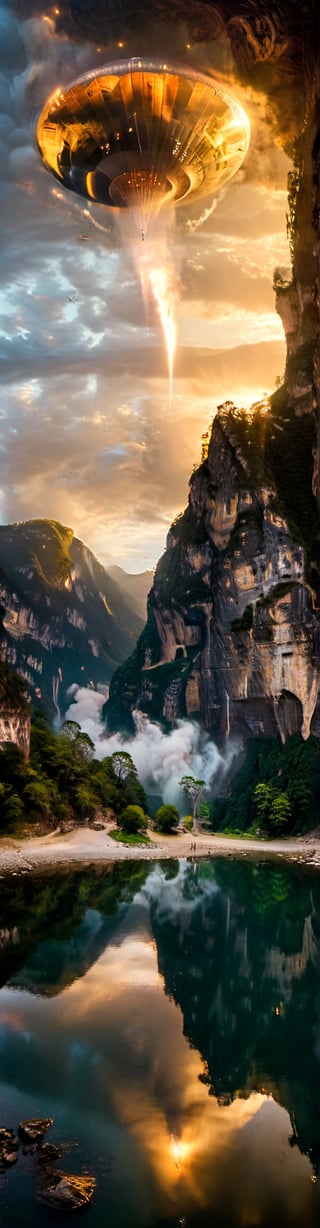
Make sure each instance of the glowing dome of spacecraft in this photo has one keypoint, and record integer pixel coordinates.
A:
(141, 134)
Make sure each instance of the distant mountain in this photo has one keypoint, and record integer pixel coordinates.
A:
(64, 619)
(135, 587)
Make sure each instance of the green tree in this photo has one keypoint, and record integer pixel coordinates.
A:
(13, 809)
(37, 796)
(71, 730)
(122, 764)
(132, 820)
(281, 811)
(105, 788)
(166, 818)
(263, 797)
(132, 793)
(86, 802)
(62, 775)
(84, 748)
(194, 790)
(204, 812)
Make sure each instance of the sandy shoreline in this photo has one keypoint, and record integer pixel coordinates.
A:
(83, 845)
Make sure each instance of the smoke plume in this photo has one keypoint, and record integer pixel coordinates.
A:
(161, 759)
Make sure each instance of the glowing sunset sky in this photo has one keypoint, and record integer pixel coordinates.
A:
(88, 434)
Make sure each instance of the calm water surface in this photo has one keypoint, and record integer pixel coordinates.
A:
(168, 1019)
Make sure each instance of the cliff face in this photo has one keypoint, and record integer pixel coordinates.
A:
(64, 619)
(15, 727)
(15, 718)
(232, 633)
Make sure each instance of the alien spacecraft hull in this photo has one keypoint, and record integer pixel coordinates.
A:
(142, 134)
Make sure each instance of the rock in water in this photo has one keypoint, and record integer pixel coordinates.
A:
(9, 1146)
(48, 1153)
(32, 1130)
(66, 1192)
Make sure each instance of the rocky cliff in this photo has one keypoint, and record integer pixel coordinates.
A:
(15, 717)
(64, 619)
(232, 631)
(232, 636)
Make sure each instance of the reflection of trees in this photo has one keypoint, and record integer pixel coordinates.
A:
(243, 966)
(53, 909)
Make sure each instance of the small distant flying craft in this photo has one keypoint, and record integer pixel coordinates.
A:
(84, 238)
(72, 298)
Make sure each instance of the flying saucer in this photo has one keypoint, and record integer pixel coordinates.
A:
(141, 135)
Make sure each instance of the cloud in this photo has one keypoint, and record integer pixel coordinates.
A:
(161, 759)
(114, 463)
(69, 452)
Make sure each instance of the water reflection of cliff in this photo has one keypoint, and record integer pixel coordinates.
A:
(53, 928)
(243, 965)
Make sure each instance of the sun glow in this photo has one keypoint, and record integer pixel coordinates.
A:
(179, 1151)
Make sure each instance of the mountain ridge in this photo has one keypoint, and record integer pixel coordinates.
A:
(136, 586)
(64, 619)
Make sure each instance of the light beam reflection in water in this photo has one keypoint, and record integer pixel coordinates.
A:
(140, 1011)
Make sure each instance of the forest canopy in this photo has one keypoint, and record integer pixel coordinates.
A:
(63, 780)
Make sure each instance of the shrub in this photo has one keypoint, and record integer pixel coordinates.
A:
(13, 810)
(166, 818)
(132, 819)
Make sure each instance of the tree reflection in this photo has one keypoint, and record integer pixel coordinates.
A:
(243, 965)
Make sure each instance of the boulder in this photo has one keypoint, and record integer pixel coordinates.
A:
(64, 1191)
(9, 1146)
(32, 1130)
(48, 1153)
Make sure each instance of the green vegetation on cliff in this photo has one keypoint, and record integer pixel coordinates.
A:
(276, 790)
(12, 691)
(289, 444)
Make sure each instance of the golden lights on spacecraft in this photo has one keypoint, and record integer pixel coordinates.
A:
(165, 119)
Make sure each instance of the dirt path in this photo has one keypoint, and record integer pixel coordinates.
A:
(84, 845)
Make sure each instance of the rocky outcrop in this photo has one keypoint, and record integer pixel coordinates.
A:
(232, 632)
(64, 619)
(66, 1192)
(33, 1129)
(9, 1147)
(15, 716)
(15, 727)
(57, 1189)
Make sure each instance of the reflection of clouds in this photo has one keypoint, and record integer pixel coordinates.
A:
(11, 1019)
(168, 897)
